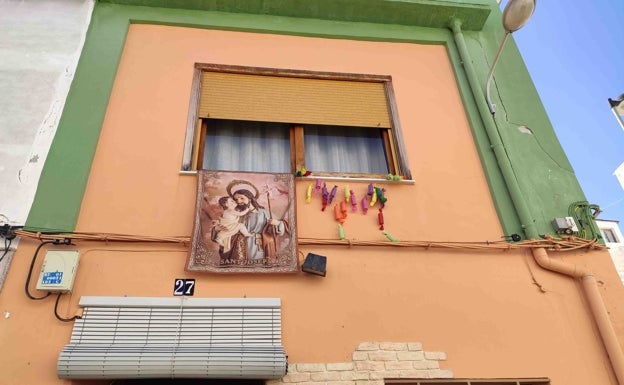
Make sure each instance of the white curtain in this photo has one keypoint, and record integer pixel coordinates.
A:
(235, 145)
(344, 149)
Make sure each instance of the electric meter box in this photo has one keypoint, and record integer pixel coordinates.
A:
(58, 270)
(565, 225)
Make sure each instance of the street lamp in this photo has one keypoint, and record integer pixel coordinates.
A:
(617, 106)
(515, 15)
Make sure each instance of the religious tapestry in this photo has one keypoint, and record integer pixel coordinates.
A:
(244, 223)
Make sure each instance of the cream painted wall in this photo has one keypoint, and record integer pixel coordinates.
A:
(616, 249)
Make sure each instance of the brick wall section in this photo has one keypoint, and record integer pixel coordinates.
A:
(372, 362)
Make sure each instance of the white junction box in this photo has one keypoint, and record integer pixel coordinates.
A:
(565, 225)
(58, 270)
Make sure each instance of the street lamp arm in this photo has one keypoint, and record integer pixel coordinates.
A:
(492, 106)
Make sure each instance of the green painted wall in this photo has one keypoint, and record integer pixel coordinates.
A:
(423, 13)
(544, 174)
(539, 164)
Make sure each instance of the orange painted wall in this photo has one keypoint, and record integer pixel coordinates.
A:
(145, 126)
(496, 314)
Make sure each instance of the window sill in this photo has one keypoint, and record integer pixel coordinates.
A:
(337, 178)
(355, 179)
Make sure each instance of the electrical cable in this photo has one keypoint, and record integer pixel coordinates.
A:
(56, 314)
(30, 270)
(7, 246)
(584, 215)
(8, 233)
(105, 237)
(566, 243)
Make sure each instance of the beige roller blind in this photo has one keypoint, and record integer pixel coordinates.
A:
(293, 100)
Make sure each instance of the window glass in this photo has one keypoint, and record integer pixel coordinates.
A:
(234, 145)
(344, 149)
(609, 236)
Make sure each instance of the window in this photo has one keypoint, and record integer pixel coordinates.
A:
(249, 119)
(609, 235)
(209, 338)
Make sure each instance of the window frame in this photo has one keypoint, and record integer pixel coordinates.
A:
(392, 138)
(608, 234)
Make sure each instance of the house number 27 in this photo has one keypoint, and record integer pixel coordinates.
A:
(183, 286)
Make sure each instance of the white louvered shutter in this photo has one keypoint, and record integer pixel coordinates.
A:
(142, 337)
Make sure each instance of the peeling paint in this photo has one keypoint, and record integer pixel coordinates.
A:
(37, 36)
(525, 130)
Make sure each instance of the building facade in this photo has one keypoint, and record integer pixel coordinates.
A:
(41, 47)
(442, 263)
(612, 236)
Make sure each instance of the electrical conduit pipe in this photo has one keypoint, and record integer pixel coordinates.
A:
(589, 284)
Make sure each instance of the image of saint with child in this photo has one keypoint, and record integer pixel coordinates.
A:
(240, 225)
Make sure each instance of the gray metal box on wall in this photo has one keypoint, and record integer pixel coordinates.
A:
(58, 270)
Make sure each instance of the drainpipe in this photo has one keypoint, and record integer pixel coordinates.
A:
(492, 132)
(596, 304)
(589, 284)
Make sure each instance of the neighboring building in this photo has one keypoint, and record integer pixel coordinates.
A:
(430, 286)
(40, 43)
(619, 174)
(612, 236)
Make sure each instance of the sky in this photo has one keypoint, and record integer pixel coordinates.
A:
(574, 51)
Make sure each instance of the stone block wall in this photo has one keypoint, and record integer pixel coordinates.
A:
(371, 364)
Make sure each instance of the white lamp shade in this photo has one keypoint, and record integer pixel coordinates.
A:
(517, 13)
